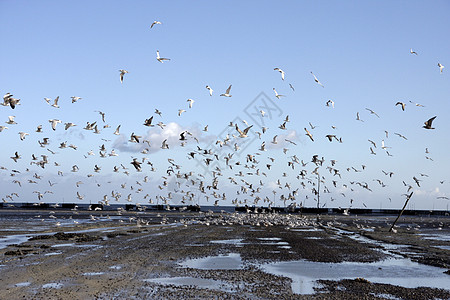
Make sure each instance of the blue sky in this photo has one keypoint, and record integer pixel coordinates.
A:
(360, 51)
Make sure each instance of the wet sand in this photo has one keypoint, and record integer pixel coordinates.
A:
(163, 255)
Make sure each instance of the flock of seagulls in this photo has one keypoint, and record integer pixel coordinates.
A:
(244, 175)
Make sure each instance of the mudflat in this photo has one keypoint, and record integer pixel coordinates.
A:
(184, 255)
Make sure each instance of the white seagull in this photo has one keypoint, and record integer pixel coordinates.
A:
(441, 67)
(11, 120)
(159, 58)
(54, 122)
(227, 92)
(210, 90)
(278, 95)
(281, 71)
(155, 23)
(317, 80)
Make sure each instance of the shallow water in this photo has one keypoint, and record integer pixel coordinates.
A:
(192, 281)
(402, 272)
(231, 261)
(52, 285)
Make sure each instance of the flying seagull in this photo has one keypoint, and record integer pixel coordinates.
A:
(372, 112)
(54, 122)
(278, 95)
(122, 73)
(441, 67)
(309, 134)
(402, 104)
(227, 92)
(428, 123)
(317, 80)
(281, 71)
(75, 99)
(210, 90)
(330, 102)
(243, 133)
(412, 52)
(159, 58)
(358, 118)
(155, 23)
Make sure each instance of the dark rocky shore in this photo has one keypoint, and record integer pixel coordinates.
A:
(117, 259)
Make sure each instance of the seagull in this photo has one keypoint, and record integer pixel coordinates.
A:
(317, 80)
(244, 133)
(8, 100)
(54, 122)
(148, 122)
(23, 135)
(75, 99)
(164, 145)
(155, 23)
(290, 85)
(11, 120)
(330, 102)
(210, 90)
(383, 146)
(55, 102)
(417, 104)
(441, 67)
(16, 156)
(191, 102)
(68, 125)
(101, 114)
(158, 112)
(372, 112)
(281, 71)
(136, 164)
(330, 137)
(122, 73)
(412, 52)
(180, 111)
(117, 130)
(2, 128)
(227, 92)
(400, 135)
(402, 104)
(159, 58)
(133, 138)
(274, 140)
(309, 134)
(263, 147)
(358, 118)
(278, 95)
(429, 123)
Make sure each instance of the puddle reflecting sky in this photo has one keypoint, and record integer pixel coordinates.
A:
(402, 272)
(231, 261)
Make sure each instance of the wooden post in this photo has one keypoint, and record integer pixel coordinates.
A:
(318, 196)
(401, 212)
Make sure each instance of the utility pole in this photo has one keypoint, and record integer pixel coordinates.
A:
(318, 195)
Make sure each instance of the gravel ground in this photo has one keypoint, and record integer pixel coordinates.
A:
(119, 258)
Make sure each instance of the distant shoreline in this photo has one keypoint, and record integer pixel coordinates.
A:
(228, 209)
